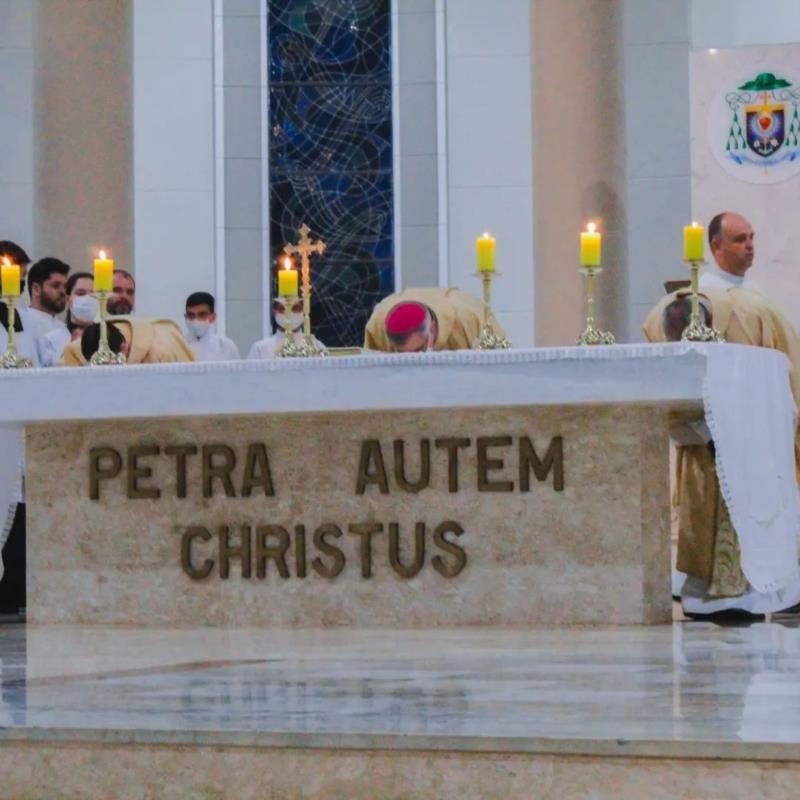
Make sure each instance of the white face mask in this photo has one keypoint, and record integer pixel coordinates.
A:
(198, 328)
(289, 322)
(85, 308)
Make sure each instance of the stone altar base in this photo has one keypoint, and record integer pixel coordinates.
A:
(515, 516)
(398, 519)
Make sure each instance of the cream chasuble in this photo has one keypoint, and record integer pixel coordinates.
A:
(707, 545)
(154, 341)
(459, 317)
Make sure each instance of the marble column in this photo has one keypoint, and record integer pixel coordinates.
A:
(83, 121)
(579, 160)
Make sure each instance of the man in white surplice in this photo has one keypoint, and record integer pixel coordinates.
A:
(732, 243)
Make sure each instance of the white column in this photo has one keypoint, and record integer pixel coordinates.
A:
(489, 147)
(173, 46)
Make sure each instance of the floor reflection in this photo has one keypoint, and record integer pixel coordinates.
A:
(691, 681)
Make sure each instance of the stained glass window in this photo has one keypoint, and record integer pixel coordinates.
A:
(330, 152)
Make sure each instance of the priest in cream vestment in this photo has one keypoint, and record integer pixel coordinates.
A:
(144, 341)
(426, 319)
(708, 550)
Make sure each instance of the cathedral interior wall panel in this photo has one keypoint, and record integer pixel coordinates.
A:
(770, 207)
(16, 95)
(173, 143)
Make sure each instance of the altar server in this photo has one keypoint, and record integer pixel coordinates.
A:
(732, 243)
(47, 284)
(286, 319)
(708, 550)
(143, 341)
(82, 310)
(426, 319)
(206, 344)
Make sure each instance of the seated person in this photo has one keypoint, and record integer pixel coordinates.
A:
(82, 310)
(286, 319)
(426, 319)
(708, 549)
(206, 344)
(142, 341)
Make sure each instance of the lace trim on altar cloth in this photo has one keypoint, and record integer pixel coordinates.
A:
(749, 410)
(370, 360)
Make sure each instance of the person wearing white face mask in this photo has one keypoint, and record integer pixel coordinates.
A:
(286, 319)
(82, 310)
(203, 341)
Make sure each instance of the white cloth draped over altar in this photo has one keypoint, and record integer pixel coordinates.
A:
(744, 392)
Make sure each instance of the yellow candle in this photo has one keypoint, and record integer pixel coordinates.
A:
(591, 244)
(103, 273)
(287, 279)
(10, 279)
(485, 247)
(693, 242)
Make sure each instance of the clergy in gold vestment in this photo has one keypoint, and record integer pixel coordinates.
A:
(708, 549)
(144, 341)
(426, 319)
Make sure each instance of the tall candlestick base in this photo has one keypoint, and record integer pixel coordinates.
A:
(488, 338)
(592, 335)
(296, 344)
(11, 359)
(698, 331)
(105, 356)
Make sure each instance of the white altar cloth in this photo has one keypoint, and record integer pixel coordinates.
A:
(744, 390)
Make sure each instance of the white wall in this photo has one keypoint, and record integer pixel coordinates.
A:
(173, 153)
(490, 156)
(16, 123)
(739, 23)
(658, 180)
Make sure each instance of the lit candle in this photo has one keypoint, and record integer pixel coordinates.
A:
(591, 242)
(287, 279)
(10, 279)
(103, 273)
(693, 242)
(485, 247)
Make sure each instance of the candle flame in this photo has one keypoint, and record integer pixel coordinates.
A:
(287, 263)
(487, 235)
(6, 262)
(591, 227)
(694, 224)
(102, 255)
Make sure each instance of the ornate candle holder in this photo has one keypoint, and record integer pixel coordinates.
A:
(11, 359)
(105, 356)
(293, 343)
(591, 333)
(698, 331)
(488, 339)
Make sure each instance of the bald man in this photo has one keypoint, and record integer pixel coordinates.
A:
(732, 243)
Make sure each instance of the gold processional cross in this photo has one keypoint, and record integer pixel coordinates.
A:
(305, 248)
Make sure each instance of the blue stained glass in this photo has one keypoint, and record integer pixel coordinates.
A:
(330, 152)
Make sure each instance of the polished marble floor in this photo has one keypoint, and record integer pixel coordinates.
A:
(690, 682)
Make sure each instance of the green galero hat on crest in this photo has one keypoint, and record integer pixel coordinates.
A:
(765, 82)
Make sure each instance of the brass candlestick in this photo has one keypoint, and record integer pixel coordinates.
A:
(105, 356)
(698, 331)
(591, 333)
(488, 339)
(10, 359)
(293, 343)
(305, 248)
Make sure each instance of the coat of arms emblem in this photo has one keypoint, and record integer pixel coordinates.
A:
(759, 133)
